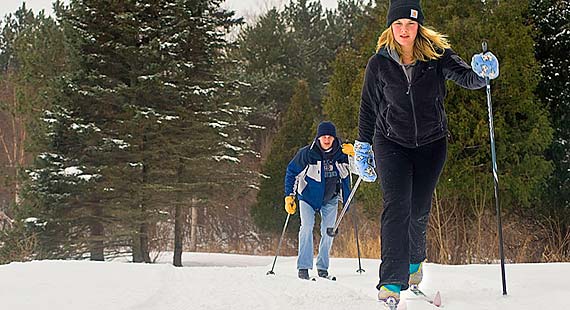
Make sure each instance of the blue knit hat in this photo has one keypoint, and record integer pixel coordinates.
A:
(326, 129)
(410, 9)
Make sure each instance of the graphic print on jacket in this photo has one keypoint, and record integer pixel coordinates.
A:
(331, 179)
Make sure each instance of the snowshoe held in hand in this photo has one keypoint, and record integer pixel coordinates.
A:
(364, 160)
(486, 65)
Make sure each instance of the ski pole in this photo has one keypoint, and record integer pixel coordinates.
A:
(359, 270)
(495, 176)
(279, 245)
(333, 231)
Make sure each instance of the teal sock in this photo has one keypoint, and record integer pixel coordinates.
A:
(414, 267)
(393, 288)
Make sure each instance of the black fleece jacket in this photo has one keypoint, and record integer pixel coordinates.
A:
(410, 113)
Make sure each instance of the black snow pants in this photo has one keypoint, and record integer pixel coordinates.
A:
(408, 177)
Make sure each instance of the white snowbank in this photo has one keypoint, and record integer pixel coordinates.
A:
(224, 281)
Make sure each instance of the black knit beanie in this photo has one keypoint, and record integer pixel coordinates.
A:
(326, 129)
(410, 9)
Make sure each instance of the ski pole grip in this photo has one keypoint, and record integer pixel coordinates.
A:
(484, 46)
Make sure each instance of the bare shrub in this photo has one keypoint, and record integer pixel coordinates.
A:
(16, 245)
(557, 248)
(344, 244)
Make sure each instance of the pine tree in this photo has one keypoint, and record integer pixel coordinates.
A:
(295, 132)
(552, 20)
(141, 114)
(296, 43)
(205, 162)
(522, 129)
(341, 103)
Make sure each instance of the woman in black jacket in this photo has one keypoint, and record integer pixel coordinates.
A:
(403, 117)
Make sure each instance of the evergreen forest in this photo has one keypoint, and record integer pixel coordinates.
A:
(133, 128)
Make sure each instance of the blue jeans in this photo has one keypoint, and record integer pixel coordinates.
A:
(328, 218)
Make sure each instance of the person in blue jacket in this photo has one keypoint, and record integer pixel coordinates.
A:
(402, 134)
(318, 176)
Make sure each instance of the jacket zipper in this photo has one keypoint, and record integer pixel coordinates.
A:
(409, 93)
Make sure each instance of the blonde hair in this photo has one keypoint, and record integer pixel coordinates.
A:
(428, 45)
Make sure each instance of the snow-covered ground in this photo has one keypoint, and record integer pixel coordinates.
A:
(224, 281)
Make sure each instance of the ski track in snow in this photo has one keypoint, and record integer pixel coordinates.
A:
(176, 289)
(226, 281)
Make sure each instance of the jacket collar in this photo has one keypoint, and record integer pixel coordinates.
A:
(384, 52)
(317, 149)
(392, 55)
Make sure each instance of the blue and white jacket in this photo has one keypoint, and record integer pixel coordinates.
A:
(305, 178)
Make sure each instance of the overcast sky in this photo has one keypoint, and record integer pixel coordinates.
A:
(246, 8)
(10, 6)
(249, 8)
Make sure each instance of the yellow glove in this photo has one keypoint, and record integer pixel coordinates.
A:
(348, 149)
(290, 205)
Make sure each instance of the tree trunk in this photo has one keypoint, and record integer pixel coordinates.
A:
(140, 240)
(194, 226)
(97, 236)
(178, 221)
(144, 243)
(12, 134)
(17, 190)
(178, 235)
(137, 251)
(140, 244)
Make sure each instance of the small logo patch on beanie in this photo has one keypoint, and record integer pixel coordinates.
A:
(413, 13)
